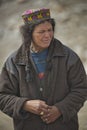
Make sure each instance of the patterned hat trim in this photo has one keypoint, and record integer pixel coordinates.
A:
(34, 15)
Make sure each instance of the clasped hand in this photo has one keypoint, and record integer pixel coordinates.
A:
(47, 113)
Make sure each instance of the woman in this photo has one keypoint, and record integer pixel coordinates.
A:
(43, 84)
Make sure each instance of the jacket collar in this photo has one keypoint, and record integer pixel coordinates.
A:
(56, 49)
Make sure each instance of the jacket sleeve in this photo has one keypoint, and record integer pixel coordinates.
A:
(10, 101)
(77, 82)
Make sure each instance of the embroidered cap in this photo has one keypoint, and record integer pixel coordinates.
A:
(33, 15)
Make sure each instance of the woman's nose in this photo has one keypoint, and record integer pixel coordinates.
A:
(47, 33)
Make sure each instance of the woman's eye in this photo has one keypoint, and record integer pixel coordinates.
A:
(41, 32)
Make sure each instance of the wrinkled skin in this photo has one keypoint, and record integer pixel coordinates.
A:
(50, 113)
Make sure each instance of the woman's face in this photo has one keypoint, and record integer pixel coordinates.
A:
(42, 35)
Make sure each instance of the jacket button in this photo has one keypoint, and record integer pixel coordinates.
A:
(41, 89)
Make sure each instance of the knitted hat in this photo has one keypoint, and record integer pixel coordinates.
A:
(33, 15)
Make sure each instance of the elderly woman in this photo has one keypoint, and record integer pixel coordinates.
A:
(43, 84)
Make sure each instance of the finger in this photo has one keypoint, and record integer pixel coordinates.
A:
(48, 121)
(47, 113)
(45, 120)
(43, 106)
(43, 111)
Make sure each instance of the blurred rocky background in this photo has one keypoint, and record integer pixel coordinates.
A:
(71, 29)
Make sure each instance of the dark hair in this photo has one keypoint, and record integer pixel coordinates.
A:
(27, 30)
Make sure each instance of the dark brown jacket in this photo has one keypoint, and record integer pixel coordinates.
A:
(64, 86)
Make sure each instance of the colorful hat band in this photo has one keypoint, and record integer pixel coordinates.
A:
(31, 16)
